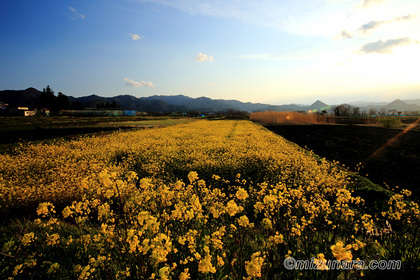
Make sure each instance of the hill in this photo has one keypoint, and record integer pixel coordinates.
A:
(399, 105)
(180, 103)
(29, 97)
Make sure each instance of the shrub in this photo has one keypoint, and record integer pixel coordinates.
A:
(389, 122)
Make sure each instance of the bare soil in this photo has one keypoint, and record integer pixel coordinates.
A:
(388, 157)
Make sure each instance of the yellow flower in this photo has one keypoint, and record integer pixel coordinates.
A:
(340, 252)
(161, 247)
(253, 267)
(192, 176)
(185, 275)
(134, 243)
(321, 262)
(232, 208)
(259, 206)
(205, 265)
(220, 261)
(276, 239)
(53, 268)
(181, 240)
(67, 212)
(242, 194)
(45, 208)
(164, 272)
(52, 239)
(359, 244)
(267, 224)
(243, 221)
(103, 211)
(17, 269)
(28, 238)
(406, 192)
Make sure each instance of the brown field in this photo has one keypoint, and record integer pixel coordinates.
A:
(272, 118)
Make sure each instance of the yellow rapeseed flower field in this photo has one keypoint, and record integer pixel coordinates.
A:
(203, 200)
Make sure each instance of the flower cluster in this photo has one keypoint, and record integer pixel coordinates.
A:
(200, 200)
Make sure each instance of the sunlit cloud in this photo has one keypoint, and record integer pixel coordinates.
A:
(385, 47)
(318, 56)
(345, 34)
(136, 37)
(371, 25)
(201, 57)
(366, 3)
(75, 15)
(377, 23)
(132, 83)
(299, 17)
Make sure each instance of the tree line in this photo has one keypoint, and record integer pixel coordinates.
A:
(56, 103)
(346, 110)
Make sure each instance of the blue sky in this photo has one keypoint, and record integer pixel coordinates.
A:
(271, 51)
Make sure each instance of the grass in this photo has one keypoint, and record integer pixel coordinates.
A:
(9, 124)
(15, 131)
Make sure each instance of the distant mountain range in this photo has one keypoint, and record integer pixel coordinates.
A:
(181, 103)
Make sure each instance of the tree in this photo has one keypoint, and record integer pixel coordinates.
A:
(77, 105)
(114, 105)
(382, 111)
(372, 111)
(47, 98)
(342, 110)
(62, 101)
(355, 111)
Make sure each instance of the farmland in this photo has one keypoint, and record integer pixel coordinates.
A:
(22, 129)
(203, 199)
(366, 149)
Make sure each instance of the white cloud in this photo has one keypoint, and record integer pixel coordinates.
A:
(327, 18)
(136, 37)
(298, 16)
(201, 57)
(75, 15)
(385, 47)
(149, 83)
(132, 83)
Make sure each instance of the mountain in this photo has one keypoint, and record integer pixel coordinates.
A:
(208, 104)
(92, 100)
(362, 104)
(170, 103)
(21, 98)
(288, 107)
(399, 105)
(318, 105)
(413, 101)
(129, 102)
(157, 103)
(247, 106)
(171, 99)
(180, 103)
